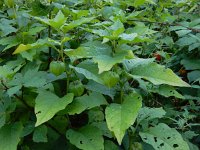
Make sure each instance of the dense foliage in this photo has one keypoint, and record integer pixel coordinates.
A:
(99, 74)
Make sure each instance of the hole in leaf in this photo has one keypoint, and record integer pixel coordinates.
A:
(155, 139)
(145, 138)
(170, 91)
(38, 112)
(81, 142)
(175, 145)
(162, 144)
(168, 138)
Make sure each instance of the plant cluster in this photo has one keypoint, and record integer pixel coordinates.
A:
(99, 74)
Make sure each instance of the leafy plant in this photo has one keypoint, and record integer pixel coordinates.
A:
(103, 74)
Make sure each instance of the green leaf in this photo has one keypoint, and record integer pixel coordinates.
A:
(76, 23)
(48, 104)
(38, 44)
(31, 78)
(109, 145)
(86, 102)
(105, 62)
(155, 73)
(40, 134)
(6, 28)
(9, 42)
(166, 90)
(56, 22)
(10, 136)
(99, 88)
(116, 29)
(6, 71)
(120, 117)
(89, 50)
(86, 138)
(162, 137)
(128, 37)
(191, 64)
(147, 114)
(90, 71)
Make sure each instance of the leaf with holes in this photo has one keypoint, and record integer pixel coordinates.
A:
(147, 114)
(120, 117)
(48, 104)
(86, 138)
(162, 137)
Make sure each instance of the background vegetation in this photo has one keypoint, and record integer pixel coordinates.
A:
(97, 74)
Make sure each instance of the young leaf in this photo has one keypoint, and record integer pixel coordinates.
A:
(105, 62)
(76, 23)
(162, 137)
(120, 117)
(86, 138)
(10, 136)
(48, 104)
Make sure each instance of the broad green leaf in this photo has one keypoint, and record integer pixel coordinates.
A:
(102, 125)
(105, 62)
(147, 114)
(85, 102)
(56, 22)
(116, 29)
(194, 76)
(31, 78)
(120, 117)
(9, 42)
(166, 90)
(110, 79)
(38, 44)
(191, 64)
(109, 145)
(76, 23)
(40, 134)
(10, 136)
(162, 137)
(90, 70)
(48, 104)
(89, 50)
(128, 37)
(22, 48)
(99, 88)
(155, 73)
(6, 28)
(6, 71)
(86, 138)
(35, 30)
(6, 108)
(132, 63)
